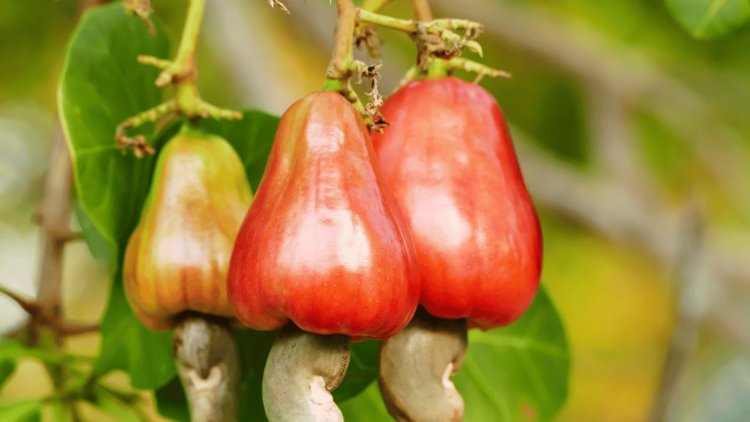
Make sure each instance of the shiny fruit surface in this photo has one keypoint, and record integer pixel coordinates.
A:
(448, 158)
(324, 244)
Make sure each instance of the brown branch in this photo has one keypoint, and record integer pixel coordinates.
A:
(72, 329)
(26, 304)
(342, 49)
(54, 219)
(39, 318)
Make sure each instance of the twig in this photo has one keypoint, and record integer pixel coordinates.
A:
(54, 219)
(180, 72)
(339, 67)
(61, 327)
(26, 304)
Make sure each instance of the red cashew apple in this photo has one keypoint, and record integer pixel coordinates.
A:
(324, 244)
(448, 158)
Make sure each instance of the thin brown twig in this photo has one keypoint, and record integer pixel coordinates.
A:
(342, 50)
(61, 327)
(26, 304)
(54, 219)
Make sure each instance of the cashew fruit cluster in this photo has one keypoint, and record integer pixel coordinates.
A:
(346, 237)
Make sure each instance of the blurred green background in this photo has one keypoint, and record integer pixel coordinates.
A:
(634, 139)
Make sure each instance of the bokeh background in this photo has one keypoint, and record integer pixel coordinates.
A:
(633, 136)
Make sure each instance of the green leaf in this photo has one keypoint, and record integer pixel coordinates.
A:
(102, 84)
(520, 372)
(367, 407)
(13, 350)
(362, 371)
(7, 359)
(114, 406)
(707, 19)
(252, 138)
(128, 345)
(21, 411)
(7, 368)
(171, 402)
(253, 349)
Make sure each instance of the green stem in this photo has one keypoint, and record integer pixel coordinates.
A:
(187, 96)
(403, 25)
(181, 73)
(438, 26)
(186, 52)
(438, 69)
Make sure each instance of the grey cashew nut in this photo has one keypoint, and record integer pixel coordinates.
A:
(415, 369)
(301, 372)
(206, 356)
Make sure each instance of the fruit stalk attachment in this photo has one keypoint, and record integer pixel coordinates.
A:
(206, 358)
(343, 67)
(301, 372)
(415, 369)
(182, 73)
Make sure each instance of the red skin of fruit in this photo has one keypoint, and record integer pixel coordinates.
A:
(324, 245)
(448, 158)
